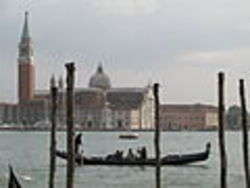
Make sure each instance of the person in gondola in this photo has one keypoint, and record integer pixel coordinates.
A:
(143, 153)
(78, 143)
(139, 151)
(130, 154)
(117, 156)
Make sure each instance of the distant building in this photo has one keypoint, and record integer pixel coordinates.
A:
(33, 111)
(2, 108)
(7, 112)
(100, 105)
(188, 117)
(10, 113)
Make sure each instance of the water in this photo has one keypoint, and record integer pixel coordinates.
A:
(28, 152)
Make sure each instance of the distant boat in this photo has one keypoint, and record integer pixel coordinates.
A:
(6, 126)
(129, 136)
(42, 124)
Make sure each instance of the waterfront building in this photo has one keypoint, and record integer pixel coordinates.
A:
(8, 113)
(2, 109)
(188, 117)
(98, 106)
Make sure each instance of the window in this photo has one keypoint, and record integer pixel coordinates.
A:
(89, 124)
(119, 123)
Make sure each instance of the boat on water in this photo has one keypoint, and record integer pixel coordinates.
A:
(13, 181)
(129, 136)
(176, 159)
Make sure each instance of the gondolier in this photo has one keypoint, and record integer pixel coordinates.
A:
(78, 143)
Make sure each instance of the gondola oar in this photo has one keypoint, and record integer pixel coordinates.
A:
(13, 182)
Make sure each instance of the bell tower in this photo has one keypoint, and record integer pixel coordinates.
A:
(26, 69)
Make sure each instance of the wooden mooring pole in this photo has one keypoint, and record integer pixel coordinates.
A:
(221, 118)
(244, 131)
(157, 137)
(53, 117)
(70, 124)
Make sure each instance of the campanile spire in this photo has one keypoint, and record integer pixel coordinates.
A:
(25, 45)
(25, 34)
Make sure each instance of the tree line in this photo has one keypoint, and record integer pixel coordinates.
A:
(233, 117)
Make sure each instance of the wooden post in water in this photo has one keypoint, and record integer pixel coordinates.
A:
(53, 90)
(70, 124)
(157, 137)
(244, 131)
(223, 157)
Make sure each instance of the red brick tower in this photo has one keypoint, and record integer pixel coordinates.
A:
(26, 69)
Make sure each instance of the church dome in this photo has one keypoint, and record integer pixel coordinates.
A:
(100, 79)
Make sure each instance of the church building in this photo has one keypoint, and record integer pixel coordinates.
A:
(98, 106)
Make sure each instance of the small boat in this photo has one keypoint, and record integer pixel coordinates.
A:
(166, 160)
(129, 136)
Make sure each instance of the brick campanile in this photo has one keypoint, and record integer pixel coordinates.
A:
(26, 69)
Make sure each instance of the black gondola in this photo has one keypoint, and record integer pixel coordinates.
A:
(13, 182)
(166, 160)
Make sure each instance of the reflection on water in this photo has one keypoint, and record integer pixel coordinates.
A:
(28, 152)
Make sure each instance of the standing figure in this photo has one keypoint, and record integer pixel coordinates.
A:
(144, 153)
(78, 143)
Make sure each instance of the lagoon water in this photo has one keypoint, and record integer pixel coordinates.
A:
(28, 152)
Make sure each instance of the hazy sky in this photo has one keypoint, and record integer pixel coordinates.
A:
(180, 44)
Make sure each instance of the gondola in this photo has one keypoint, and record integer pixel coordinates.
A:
(166, 160)
(13, 182)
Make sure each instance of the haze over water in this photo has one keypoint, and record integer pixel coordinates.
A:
(28, 152)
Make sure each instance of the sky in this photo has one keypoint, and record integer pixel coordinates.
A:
(178, 43)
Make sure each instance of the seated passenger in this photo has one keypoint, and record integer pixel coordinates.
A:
(117, 155)
(139, 150)
(130, 154)
(111, 157)
(143, 153)
(120, 154)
